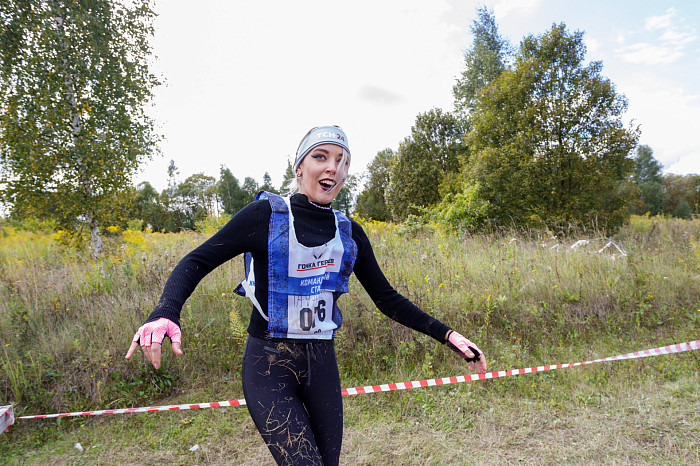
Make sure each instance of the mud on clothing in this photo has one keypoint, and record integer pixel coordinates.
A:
(293, 396)
(304, 282)
(292, 391)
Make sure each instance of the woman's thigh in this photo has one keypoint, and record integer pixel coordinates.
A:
(293, 395)
(323, 401)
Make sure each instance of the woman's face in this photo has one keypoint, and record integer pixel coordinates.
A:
(318, 173)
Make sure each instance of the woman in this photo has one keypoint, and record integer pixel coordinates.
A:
(298, 255)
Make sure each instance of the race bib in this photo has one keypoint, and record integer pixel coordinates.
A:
(311, 314)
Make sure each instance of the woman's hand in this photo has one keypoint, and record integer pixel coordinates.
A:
(150, 337)
(467, 350)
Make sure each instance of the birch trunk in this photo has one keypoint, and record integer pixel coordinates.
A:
(71, 98)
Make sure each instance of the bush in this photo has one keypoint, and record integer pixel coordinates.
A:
(465, 210)
(30, 224)
(683, 210)
(210, 225)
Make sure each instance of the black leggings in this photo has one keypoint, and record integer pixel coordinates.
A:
(292, 390)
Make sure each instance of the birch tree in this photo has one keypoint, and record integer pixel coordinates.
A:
(74, 83)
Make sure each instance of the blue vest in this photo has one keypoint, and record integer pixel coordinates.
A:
(304, 283)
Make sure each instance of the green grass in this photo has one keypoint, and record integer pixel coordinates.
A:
(65, 324)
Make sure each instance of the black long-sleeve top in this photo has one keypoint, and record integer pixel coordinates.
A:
(248, 230)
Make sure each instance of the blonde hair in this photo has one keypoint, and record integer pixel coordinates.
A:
(340, 174)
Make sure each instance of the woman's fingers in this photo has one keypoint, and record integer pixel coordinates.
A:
(468, 350)
(481, 364)
(132, 349)
(150, 336)
(153, 354)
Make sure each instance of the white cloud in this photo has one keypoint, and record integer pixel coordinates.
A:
(677, 38)
(687, 164)
(594, 47)
(503, 8)
(248, 79)
(668, 118)
(648, 54)
(380, 96)
(667, 47)
(660, 22)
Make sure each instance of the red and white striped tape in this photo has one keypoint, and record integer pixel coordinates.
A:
(216, 404)
(677, 348)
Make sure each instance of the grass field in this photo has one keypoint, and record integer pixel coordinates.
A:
(527, 299)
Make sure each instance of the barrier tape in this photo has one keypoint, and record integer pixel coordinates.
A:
(677, 348)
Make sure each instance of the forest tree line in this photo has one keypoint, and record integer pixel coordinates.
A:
(182, 204)
(537, 137)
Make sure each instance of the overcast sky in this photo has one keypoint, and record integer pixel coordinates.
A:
(245, 80)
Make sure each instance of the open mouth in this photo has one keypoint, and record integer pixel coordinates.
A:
(327, 185)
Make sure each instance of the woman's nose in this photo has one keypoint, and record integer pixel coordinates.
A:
(331, 166)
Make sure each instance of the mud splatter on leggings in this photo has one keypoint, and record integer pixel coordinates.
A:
(293, 395)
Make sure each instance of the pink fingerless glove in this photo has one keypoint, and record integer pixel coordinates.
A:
(155, 332)
(463, 347)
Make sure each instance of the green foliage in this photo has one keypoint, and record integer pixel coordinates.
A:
(182, 204)
(238, 328)
(465, 210)
(344, 200)
(39, 225)
(194, 202)
(683, 210)
(267, 184)
(652, 198)
(74, 82)
(434, 148)
(548, 144)
(411, 181)
(412, 224)
(438, 136)
(646, 167)
(135, 225)
(146, 207)
(250, 189)
(210, 224)
(370, 202)
(287, 179)
(196, 199)
(483, 62)
(682, 188)
(233, 198)
(648, 178)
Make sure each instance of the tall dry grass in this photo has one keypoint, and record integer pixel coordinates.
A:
(526, 298)
(64, 319)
